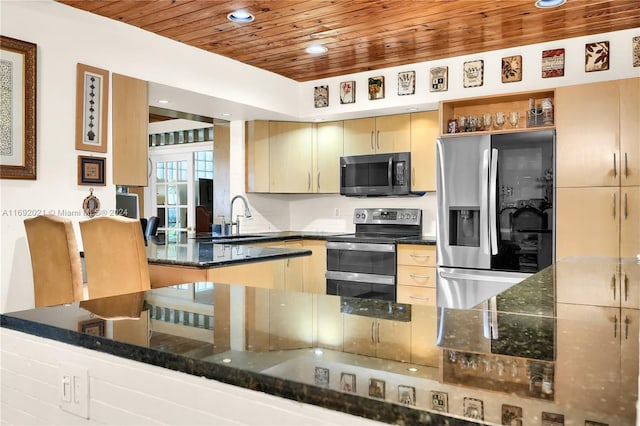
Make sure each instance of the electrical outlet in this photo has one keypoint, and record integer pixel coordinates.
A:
(336, 212)
(74, 389)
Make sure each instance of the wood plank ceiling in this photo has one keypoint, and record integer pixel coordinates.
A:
(363, 35)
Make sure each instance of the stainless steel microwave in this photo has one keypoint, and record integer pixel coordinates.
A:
(376, 174)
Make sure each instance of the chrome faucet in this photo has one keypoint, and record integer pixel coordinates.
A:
(247, 213)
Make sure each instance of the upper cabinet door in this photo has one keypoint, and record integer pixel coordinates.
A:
(130, 112)
(393, 133)
(290, 157)
(330, 138)
(359, 136)
(587, 123)
(424, 132)
(629, 131)
(257, 156)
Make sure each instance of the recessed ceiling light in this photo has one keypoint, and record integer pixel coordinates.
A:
(226, 114)
(316, 49)
(241, 16)
(412, 369)
(549, 3)
(163, 101)
(226, 360)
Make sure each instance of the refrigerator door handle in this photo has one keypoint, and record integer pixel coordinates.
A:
(489, 278)
(493, 309)
(493, 187)
(484, 196)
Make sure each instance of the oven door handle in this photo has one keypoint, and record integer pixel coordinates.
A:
(361, 278)
(333, 245)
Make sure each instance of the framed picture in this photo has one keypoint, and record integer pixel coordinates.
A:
(552, 419)
(406, 83)
(376, 88)
(473, 408)
(348, 382)
(377, 388)
(596, 56)
(511, 415)
(512, 69)
(440, 401)
(18, 104)
(406, 395)
(552, 63)
(439, 79)
(92, 97)
(94, 327)
(473, 73)
(91, 170)
(348, 92)
(635, 49)
(322, 376)
(321, 96)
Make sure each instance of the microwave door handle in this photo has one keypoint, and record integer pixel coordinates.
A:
(390, 172)
(493, 188)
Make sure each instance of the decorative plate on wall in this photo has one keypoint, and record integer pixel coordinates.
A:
(406, 83)
(439, 79)
(376, 88)
(596, 56)
(321, 96)
(348, 92)
(473, 73)
(552, 63)
(512, 69)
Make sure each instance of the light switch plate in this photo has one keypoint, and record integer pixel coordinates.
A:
(74, 389)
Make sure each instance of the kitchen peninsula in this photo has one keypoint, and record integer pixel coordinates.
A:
(556, 355)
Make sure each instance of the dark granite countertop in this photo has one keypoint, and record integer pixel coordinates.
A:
(553, 356)
(210, 254)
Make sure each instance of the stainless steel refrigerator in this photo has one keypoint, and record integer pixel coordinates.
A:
(495, 219)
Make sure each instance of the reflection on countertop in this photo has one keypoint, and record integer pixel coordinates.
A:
(552, 352)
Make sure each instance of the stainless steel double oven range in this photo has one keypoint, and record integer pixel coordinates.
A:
(363, 264)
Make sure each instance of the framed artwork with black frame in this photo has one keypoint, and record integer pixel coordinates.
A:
(92, 104)
(18, 122)
(91, 170)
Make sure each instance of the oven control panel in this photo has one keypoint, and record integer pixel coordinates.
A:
(387, 216)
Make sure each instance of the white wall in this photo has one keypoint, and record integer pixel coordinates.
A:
(66, 36)
(128, 392)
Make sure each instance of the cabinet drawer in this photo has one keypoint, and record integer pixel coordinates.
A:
(409, 254)
(416, 275)
(417, 295)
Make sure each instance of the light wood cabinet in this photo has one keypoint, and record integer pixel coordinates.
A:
(290, 157)
(377, 337)
(391, 133)
(424, 350)
(329, 323)
(328, 149)
(590, 368)
(587, 222)
(293, 268)
(257, 156)
(598, 135)
(130, 112)
(314, 267)
(416, 274)
(290, 320)
(424, 133)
